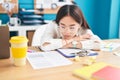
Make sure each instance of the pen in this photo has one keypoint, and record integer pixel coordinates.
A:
(92, 54)
(30, 51)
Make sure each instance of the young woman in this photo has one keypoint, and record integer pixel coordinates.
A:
(69, 30)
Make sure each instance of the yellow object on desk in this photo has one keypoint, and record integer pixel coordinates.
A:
(87, 71)
(19, 50)
(86, 58)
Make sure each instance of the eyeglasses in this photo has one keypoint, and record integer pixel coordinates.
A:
(84, 52)
(64, 28)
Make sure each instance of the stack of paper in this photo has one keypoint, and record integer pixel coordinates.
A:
(40, 60)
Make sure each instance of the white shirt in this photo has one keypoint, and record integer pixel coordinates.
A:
(53, 36)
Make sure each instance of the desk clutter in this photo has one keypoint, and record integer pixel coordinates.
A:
(28, 17)
(86, 57)
(57, 58)
(106, 67)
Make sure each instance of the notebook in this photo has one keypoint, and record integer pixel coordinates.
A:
(107, 73)
(4, 42)
(40, 60)
(87, 71)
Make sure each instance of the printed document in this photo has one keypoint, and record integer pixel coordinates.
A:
(39, 60)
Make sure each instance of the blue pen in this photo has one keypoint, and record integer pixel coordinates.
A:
(92, 54)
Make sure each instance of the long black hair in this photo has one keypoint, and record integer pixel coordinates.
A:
(73, 11)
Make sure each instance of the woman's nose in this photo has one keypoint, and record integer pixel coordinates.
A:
(67, 30)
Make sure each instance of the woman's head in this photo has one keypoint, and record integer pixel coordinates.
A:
(70, 19)
(74, 12)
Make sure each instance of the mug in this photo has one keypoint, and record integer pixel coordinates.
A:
(14, 21)
(19, 50)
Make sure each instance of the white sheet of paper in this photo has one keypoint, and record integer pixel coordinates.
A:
(39, 60)
(1, 1)
(109, 46)
(69, 51)
(47, 3)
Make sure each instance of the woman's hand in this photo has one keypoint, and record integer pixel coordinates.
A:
(82, 37)
(68, 43)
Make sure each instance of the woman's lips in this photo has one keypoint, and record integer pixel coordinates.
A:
(66, 36)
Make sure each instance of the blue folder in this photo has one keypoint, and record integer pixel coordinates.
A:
(69, 53)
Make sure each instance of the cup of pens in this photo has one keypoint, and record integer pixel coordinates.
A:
(19, 50)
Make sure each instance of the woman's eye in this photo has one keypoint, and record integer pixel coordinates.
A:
(72, 28)
(62, 27)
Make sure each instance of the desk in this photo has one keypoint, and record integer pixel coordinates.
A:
(22, 30)
(10, 72)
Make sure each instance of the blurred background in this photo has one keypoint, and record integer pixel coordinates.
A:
(103, 16)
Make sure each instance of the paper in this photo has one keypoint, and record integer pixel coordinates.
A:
(47, 3)
(8, 6)
(117, 52)
(1, 1)
(109, 46)
(39, 60)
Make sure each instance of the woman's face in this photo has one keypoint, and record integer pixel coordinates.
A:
(68, 27)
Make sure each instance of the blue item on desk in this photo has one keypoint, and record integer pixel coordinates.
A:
(69, 53)
(92, 54)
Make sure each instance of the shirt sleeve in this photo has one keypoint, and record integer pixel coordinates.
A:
(49, 37)
(54, 44)
(93, 43)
